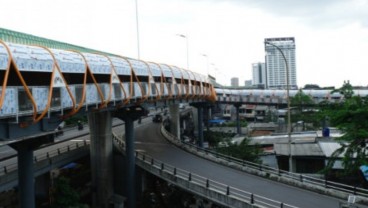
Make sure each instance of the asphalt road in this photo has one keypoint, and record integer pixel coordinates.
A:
(150, 140)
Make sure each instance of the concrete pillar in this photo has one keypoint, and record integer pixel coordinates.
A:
(100, 125)
(175, 120)
(26, 181)
(26, 177)
(207, 118)
(195, 119)
(200, 126)
(129, 150)
(238, 128)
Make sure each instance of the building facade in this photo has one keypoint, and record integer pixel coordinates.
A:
(248, 83)
(276, 71)
(235, 82)
(259, 74)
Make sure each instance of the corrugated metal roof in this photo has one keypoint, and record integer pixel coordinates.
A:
(307, 149)
(27, 39)
(329, 147)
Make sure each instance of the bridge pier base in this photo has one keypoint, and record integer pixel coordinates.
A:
(129, 115)
(101, 153)
(26, 180)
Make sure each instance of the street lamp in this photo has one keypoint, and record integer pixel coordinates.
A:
(288, 104)
(205, 55)
(186, 38)
(137, 25)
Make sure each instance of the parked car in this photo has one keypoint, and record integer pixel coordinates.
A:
(157, 118)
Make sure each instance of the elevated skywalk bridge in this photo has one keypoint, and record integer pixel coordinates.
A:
(43, 82)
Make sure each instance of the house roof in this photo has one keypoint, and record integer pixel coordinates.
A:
(301, 149)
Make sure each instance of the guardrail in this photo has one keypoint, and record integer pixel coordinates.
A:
(267, 171)
(5, 169)
(210, 189)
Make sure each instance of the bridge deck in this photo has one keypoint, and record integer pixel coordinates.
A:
(149, 139)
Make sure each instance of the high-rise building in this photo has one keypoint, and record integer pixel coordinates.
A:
(275, 63)
(259, 74)
(235, 82)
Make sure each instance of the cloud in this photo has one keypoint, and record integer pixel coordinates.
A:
(315, 13)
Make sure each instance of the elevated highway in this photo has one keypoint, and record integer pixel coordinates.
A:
(150, 140)
(43, 82)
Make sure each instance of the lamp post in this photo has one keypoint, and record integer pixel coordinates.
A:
(288, 104)
(205, 55)
(137, 25)
(187, 43)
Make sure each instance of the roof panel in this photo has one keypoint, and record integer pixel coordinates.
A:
(186, 74)
(31, 58)
(140, 68)
(197, 77)
(177, 72)
(121, 65)
(166, 71)
(98, 64)
(191, 75)
(302, 149)
(4, 58)
(329, 147)
(69, 62)
(155, 69)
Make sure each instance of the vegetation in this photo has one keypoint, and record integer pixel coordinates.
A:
(214, 138)
(243, 151)
(64, 195)
(233, 124)
(304, 110)
(351, 118)
(221, 141)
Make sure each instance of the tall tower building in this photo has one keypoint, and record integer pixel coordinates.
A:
(259, 74)
(275, 63)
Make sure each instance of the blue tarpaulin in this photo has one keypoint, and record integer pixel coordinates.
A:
(364, 169)
(70, 166)
(217, 121)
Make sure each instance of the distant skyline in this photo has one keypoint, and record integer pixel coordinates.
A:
(331, 36)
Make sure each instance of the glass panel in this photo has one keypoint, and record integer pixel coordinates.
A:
(153, 89)
(56, 98)
(24, 102)
(117, 91)
(78, 93)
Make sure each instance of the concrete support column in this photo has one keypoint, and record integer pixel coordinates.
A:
(195, 119)
(200, 126)
(129, 150)
(208, 114)
(175, 120)
(26, 181)
(100, 125)
(238, 128)
(26, 177)
(129, 115)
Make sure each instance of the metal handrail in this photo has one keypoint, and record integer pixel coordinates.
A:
(5, 169)
(193, 178)
(266, 169)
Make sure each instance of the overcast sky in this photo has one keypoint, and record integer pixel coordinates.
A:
(331, 35)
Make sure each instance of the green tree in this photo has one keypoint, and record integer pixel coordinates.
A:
(346, 90)
(351, 118)
(304, 109)
(64, 195)
(243, 151)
